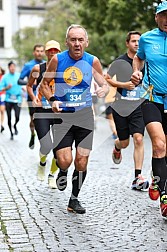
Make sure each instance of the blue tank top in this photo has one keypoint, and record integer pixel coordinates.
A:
(25, 72)
(28, 67)
(73, 81)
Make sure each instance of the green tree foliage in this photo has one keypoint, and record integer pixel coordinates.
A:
(56, 20)
(105, 15)
(107, 23)
(24, 41)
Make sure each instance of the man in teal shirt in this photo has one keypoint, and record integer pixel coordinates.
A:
(153, 50)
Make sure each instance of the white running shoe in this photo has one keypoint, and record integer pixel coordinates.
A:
(41, 172)
(52, 182)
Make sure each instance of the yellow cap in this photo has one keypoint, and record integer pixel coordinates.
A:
(52, 44)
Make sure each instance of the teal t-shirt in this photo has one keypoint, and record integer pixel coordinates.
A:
(153, 49)
(14, 93)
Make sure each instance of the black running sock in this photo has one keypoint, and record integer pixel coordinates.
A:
(42, 164)
(137, 172)
(61, 179)
(77, 181)
(159, 169)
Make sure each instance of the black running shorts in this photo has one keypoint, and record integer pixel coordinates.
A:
(109, 109)
(130, 124)
(76, 127)
(154, 112)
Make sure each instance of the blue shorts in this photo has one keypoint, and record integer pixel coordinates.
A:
(2, 99)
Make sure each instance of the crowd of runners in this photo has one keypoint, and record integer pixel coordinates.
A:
(61, 112)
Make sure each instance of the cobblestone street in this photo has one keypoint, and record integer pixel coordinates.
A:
(33, 217)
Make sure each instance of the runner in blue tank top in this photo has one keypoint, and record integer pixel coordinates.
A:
(153, 50)
(72, 103)
(38, 53)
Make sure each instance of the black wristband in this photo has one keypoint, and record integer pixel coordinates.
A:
(51, 100)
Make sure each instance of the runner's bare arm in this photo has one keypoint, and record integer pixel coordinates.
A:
(137, 66)
(119, 84)
(32, 79)
(48, 77)
(99, 78)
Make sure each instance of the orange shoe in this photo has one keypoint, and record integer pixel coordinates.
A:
(116, 156)
(154, 190)
(163, 206)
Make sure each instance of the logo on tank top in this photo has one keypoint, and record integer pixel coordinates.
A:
(156, 47)
(73, 76)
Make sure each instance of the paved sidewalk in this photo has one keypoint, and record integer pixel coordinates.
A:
(34, 217)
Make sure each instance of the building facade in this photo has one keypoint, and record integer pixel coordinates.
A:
(16, 15)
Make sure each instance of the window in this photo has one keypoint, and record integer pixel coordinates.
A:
(1, 4)
(1, 37)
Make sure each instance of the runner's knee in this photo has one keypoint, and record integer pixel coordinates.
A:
(138, 140)
(159, 148)
(81, 163)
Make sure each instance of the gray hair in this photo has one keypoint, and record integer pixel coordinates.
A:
(76, 26)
